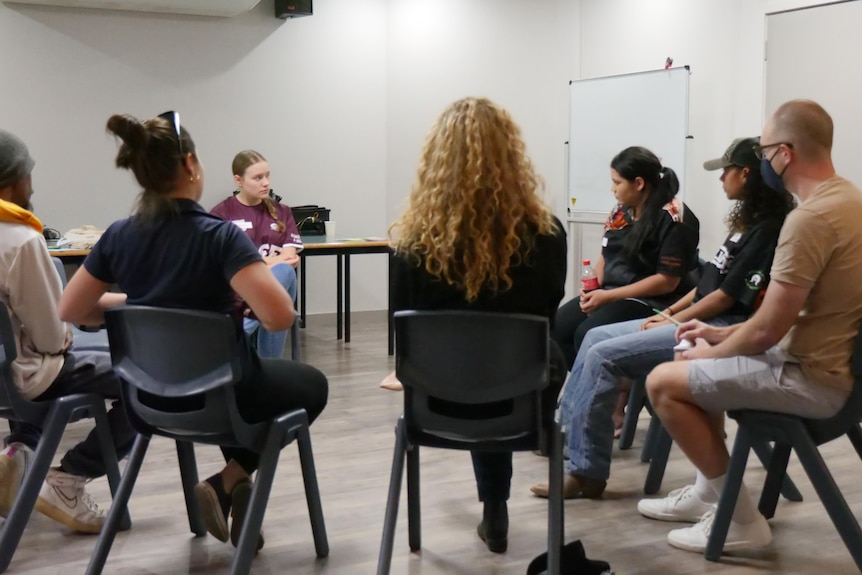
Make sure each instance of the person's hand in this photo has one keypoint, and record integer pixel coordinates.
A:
(292, 259)
(700, 350)
(593, 300)
(654, 321)
(695, 329)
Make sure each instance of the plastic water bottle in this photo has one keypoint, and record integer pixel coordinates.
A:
(589, 281)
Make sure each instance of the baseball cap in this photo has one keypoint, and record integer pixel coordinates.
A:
(739, 153)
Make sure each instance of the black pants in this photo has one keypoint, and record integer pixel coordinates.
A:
(280, 386)
(571, 324)
(493, 469)
(84, 371)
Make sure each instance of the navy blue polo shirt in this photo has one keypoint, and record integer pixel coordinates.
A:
(182, 262)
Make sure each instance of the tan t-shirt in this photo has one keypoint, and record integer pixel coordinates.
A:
(820, 247)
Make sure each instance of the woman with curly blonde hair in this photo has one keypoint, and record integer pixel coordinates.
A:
(477, 236)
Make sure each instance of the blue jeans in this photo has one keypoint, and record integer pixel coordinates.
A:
(271, 344)
(608, 353)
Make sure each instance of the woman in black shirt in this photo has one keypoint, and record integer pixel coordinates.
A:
(477, 236)
(172, 253)
(649, 246)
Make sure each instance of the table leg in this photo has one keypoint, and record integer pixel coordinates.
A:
(301, 271)
(347, 297)
(339, 294)
(390, 328)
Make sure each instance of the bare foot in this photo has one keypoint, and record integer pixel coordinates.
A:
(391, 383)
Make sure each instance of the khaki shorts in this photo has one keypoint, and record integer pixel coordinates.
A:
(771, 381)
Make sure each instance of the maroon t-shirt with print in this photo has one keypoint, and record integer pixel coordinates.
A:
(257, 223)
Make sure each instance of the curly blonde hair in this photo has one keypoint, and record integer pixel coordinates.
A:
(474, 210)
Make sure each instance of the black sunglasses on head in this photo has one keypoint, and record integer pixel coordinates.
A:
(174, 119)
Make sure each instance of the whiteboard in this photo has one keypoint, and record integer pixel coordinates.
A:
(609, 114)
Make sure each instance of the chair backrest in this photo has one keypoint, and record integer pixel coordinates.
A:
(823, 430)
(61, 269)
(178, 369)
(472, 380)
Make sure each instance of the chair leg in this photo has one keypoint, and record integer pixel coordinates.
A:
(312, 492)
(829, 493)
(118, 507)
(189, 478)
(776, 475)
(855, 435)
(109, 456)
(637, 396)
(788, 488)
(384, 559)
(729, 495)
(652, 434)
(414, 517)
(295, 353)
(556, 515)
(22, 508)
(660, 453)
(247, 544)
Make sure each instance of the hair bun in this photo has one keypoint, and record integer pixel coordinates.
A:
(134, 136)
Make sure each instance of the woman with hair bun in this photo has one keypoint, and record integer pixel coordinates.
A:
(270, 226)
(172, 253)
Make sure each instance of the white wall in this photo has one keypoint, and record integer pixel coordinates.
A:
(723, 42)
(519, 54)
(340, 102)
(308, 93)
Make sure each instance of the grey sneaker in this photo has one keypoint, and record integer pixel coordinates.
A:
(14, 465)
(64, 499)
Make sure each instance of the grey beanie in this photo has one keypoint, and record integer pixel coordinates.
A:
(15, 160)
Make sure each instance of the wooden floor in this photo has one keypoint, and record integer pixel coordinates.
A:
(353, 442)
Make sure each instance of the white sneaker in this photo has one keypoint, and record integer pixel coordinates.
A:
(681, 504)
(64, 499)
(14, 465)
(739, 536)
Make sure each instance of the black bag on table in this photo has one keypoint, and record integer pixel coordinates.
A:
(309, 219)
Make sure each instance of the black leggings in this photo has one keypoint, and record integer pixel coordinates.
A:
(571, 324)
(493, 469)
(279, 387)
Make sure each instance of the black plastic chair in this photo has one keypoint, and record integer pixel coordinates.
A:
(82, 340)
(178, 369)
(656, 452)
(803, 436)
(52, 416)
(472, 381)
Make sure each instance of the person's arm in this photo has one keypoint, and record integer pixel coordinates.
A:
(708, 307)
(86, 298)
(269, 301)
(679, 305)
(599, 268)
(654, 285)
(764, 329)
(33, 290)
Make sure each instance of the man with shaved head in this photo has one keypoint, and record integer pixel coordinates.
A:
(793, 355)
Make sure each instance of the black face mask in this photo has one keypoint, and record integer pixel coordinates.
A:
(770, 176)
